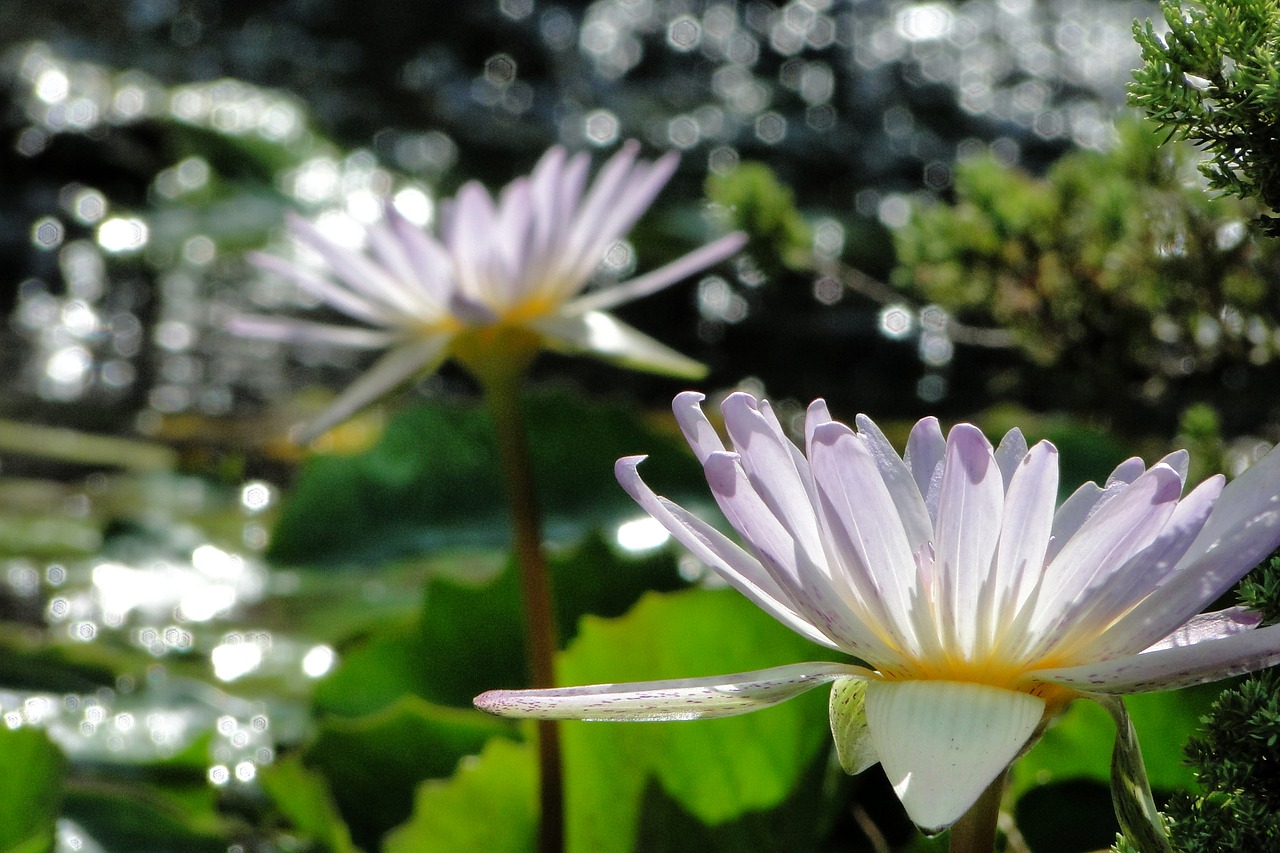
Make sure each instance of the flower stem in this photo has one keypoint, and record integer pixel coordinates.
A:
(975, 832)
(503, 400)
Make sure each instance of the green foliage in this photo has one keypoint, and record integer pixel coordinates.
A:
(1260, 591)
(1215, 79)
(431, 480)
(717, 771)
(374, 763)
(759, 204)
(1237, 761)
(490, 805)
(303, 798)
(1113, 271)
(31, 781)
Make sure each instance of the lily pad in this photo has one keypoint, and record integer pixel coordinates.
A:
(31, 778)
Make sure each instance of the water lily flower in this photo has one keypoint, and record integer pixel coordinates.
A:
(975, 607)
(507, 273)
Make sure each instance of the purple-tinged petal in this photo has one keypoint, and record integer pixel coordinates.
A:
(926, 450)
(1204, 627)
(678, 699)
(1255, 491)
(1073, 513)
(419, 354)
(468, 232)
(1193, 585)
(663, 277)
(1024, 534)
(336, 295)
(357, 271)
(605, 336)
(897, 478)
(967, 531)
(1010, 452)
(1089, 620)
(1126, 472)
(1171, 668)
(941, 743)
(1131, 522)
(698, 431)
(741, 570)
(815, 416)
(820, 596)
(433, 270)
(294, 331)
(770, 462)
(1180, 461)
(866, 535)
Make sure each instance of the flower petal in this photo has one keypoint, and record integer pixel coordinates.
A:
(607, 337)
(698, 431)
(941, 743)
(355, 305)
(912, 512)
(1174, 667)
(295, 331)
(420, 354)
(926, 450)
(1010, 452)
(849, 729)
(1204, 627)
(743, 571)
(663, 277)
(1244, 498)
(680, 699)
(1024, 535)
(970, 506)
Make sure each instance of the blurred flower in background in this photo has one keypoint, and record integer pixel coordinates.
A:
(518, 263)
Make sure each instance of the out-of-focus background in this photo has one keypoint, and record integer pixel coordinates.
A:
(960, 217)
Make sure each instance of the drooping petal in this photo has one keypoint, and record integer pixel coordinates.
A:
(742, 571)
(848, 712)
(970, 506)
(605, 336)
(679, 699)
(663, 277)
(1174, 667)
(419, 354)
(941, 743)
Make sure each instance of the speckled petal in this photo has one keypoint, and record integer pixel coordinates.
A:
(681, 699)
(941, 743)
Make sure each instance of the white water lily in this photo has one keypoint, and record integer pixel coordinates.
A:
(979, 608)
(505, 273)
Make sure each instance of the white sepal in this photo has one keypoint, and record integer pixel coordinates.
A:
(941, 743)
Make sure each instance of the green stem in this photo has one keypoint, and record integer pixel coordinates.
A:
(503, 400)
(975, 832)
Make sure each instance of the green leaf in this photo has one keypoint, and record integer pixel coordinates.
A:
(303, 797)
(490, 805)
(31, 776)
(122, 816)
(716, 770)
(470, 637)
(374, 763)
(431, 480)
